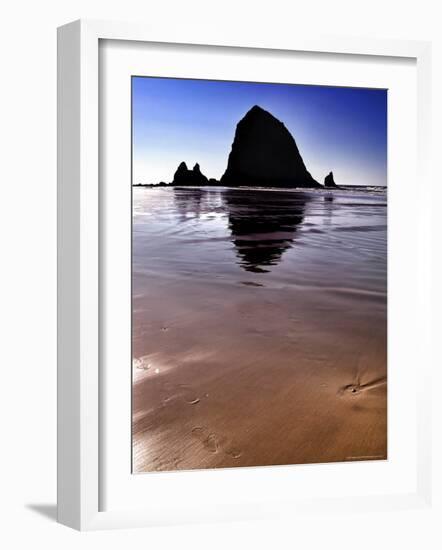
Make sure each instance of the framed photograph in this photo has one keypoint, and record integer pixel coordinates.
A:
(244, 325)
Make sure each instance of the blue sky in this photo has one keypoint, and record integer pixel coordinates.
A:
(338, 129)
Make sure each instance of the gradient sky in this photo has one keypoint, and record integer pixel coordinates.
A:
(338, 129)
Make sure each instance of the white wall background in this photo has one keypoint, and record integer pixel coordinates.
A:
(28, 253)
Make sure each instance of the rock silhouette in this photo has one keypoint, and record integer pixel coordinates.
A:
(264, 153)
(184, 176)
(329, 180)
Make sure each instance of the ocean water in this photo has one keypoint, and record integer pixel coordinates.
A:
(271, 303)
(322, 239)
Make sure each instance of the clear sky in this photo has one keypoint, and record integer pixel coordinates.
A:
(338, 129)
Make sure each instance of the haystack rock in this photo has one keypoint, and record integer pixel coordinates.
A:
(329, 180)
(264, 153)
(184, 176)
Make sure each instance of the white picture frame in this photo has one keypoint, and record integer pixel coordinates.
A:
(79, 275)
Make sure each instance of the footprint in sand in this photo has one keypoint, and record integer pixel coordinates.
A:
(180, 391)
(208, 439)
(234, 453)
(213, 443)
(142, 363)
(164, 465)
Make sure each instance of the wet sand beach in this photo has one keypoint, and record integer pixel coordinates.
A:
(259, 327)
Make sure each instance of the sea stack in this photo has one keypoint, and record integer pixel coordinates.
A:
(264, 153)
(184, 176)
(329, 181)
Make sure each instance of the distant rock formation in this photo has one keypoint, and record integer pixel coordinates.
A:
(161, 184)
(329, 181)
(264, 153)
(184, 176)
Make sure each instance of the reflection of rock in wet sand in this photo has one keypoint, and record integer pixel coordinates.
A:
(188, 202)
(263, 225)
(192, 202)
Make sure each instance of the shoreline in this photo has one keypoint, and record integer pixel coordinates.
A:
(256, 188)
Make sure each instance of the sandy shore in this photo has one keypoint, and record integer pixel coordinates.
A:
(257, 386)
(247, 369)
